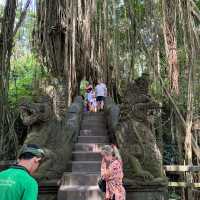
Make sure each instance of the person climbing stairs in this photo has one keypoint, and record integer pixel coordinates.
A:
(81, 182)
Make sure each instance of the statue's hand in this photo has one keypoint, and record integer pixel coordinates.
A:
(145, 175)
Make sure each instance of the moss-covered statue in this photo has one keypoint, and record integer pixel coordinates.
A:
(53, 135)
(132, 130)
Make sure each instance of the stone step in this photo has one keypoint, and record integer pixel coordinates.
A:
(93, 124)
(88, 147)
(89, 132)
(94, 127)
(86, 166)
(86, 156)
(94, 118)
(79, 193)
(93, 114)
(82, 182)
(101, 118)
(80, 179)
(93, 139)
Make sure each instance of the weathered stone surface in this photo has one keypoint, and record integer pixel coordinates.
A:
(146, 192)
(56, 89)
(54, 136)
(47, 197)
(48, 190)
(131, 129)
(112, 112)
(76, 106)
(81, 183)
(79, 193)
(35, 112)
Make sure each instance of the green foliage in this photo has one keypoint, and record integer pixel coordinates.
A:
(25, 70)
(156, 90)
(25, 74)
(198, 3)
(174, 196)
(170, 154)
(1, 10)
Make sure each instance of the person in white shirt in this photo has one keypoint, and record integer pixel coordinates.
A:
(101, 93)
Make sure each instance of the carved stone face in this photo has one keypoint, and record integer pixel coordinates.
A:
(33, 112)
(28, 115)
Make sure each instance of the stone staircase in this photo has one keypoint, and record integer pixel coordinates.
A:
(81, 182)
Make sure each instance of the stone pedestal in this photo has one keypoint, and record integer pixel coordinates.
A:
(146, 192)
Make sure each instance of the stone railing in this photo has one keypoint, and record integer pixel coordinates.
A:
(112, 112)
(74, 117)
(57, 139)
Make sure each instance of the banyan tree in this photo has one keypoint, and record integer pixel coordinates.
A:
(72, 42)
(139, 48)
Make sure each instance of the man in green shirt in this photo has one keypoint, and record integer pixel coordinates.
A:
(16, 183)
(83, 86)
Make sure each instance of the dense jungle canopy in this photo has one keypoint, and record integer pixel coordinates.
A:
(60, 43)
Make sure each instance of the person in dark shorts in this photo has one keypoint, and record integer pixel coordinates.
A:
(100, 98)
(101, 93)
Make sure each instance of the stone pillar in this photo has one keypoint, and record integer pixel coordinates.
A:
(146, 192)
(141, 189)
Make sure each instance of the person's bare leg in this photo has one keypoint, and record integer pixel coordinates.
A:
(102, 105)
(95, 108)
(92, 108)
(90, 105)
(98, 106)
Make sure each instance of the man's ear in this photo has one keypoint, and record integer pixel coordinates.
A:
(36, 159)
(39, 159)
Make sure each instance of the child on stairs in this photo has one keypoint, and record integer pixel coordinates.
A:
(93, 104)
(91, 99)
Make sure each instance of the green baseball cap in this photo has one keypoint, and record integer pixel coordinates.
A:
(33, 149)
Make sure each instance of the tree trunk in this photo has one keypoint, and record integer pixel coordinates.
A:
(7, 33)
(6, 44)
(169, 31)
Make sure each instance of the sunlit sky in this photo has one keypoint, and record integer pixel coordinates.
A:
(2, 2)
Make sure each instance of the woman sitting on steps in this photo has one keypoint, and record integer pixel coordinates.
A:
(112, 173)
